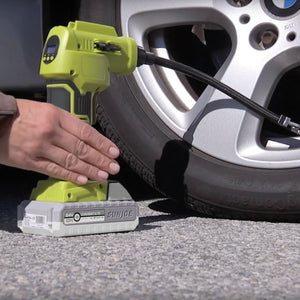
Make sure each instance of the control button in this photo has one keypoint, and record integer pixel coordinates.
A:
(77, 217)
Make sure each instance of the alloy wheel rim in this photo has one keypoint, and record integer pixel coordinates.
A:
(214, 124)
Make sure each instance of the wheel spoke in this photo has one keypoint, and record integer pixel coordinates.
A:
(138, 17)
(220, 116)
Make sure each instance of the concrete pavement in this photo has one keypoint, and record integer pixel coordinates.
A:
(173, 254)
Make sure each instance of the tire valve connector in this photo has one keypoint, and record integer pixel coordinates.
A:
(107, 47)
(286, 122)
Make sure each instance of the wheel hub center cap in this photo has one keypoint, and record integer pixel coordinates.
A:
(283, 8)
(284, 3)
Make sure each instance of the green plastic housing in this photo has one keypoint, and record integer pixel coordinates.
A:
(78, 59)
(53, 190)
(76, 69)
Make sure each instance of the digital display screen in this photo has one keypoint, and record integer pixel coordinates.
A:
(51, 49)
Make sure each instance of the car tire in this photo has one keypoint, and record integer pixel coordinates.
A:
(202, 182)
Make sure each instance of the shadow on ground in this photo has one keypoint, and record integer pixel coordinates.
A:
(16, 186)
(137, 188)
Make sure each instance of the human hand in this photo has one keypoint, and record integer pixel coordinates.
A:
(49, 140)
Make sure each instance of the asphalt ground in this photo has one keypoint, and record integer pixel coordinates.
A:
(173, 254)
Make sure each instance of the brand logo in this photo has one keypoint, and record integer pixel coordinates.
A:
(120, 214)
(284, 3)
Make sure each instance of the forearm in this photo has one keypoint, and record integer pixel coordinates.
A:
(8, 105)
(8, 108)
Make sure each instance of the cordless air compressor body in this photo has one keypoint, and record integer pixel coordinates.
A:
(76, 63)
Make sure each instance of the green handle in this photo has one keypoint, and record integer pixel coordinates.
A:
(65, 94)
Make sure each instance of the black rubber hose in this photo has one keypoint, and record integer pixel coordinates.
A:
(148, 58)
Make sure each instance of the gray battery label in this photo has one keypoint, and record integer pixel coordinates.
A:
(83, 216)
(120, 213)
(34, 221)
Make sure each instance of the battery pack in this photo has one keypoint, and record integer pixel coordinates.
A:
(77, 218)
(116, 212)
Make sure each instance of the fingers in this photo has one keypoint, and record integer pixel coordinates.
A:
(84, 153)
(88, 135)
(72, 171)
(56, 171)
(72, 163)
